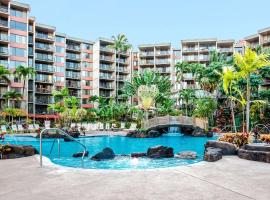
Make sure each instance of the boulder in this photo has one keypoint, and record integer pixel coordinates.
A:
(80, 154)
(56, 134)
(209, 134)
(143, 134)
(227, 148)
(261, 156)
(257, 147)
(187, 130)
(137, 155)
(199, 132)
(107, 153)
(160, 152)
(212, 154)
(16, 151)
(186, 155)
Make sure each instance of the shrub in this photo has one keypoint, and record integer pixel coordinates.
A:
(127, 125)
(117, 124)
(239, 139)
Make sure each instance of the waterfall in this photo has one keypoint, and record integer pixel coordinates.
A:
(174, 129)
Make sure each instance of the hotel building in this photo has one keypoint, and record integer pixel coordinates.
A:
(89, 68)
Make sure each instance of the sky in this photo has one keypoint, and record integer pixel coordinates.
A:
(153, 21)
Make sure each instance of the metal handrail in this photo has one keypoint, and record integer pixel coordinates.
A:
(62, 133)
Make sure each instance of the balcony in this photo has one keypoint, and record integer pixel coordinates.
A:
(75, 57)
(44, 90)
(44, 68)
(106, 67)
(225, 50)
(147, 62)
(266, 40)
(3, 82)
(73, 75)
(147, 53)
(163, 53)
(75, 85)
(190, 58)
(73, 66)
(44, 47)
(207, 48)
(163, 62)
(74, 94)
(4, 63)
(43, 112)
(45, 36)
(4, 9)
(3, 23)
(106, 86)
(163, 70)
(41, 79)
(190, 49)
(106, 58)
(106, 77)
(204, 58)
(73, 47)
(122, 70)
(3, 37)
(44, 57)
(121, 78)
(3, 51)
(43, 100)
(107, 49)
(122, 61)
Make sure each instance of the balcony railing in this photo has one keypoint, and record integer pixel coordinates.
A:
(44, 68)
(44, 47)
(225, 49)
(3, 37)
(43, 79)
(147, 62)
(43, 90)
(190, 58)
(106, 67)
(4, 63)
(4, 9)
(163, 53)
(123, 61)
(106, 86)
(163, 62)
(44, 36)
(43, 112)
(102, 76)
(4, 50)
(204, 58)
(186, 49)
(73, 47)
(73, 75)
(147, 53)
(44, 57)
(122, 69)
(163, 70)
(73, 56)
(39, 100)
(107, 49)
(207, 48)
(3, 23)
(74, 66)
(73, 84)
(107, 58)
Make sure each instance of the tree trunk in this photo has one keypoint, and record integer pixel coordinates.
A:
(117, 76)
(248, 104)
(233, 118)
(243, 121)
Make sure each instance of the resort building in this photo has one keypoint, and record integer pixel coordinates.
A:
(110, 71)
(89, 68)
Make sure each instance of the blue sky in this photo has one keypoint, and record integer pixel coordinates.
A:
(153, 21)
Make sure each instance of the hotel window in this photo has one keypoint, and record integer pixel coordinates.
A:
(30, 62)
(59, 69)
(18, 25)
(59, 39)
(86, 83)
(87, 55)
(59, 79)
(59, 49)
(87, 64)
(86, 92)
(17, 38)
(17, 13)
(85, 101)
(18, 52)
(14, 64)
(87, 46)
(59, 59)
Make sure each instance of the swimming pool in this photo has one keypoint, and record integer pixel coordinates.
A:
(122, 146)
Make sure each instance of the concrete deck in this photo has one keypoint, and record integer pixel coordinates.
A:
(230, 178)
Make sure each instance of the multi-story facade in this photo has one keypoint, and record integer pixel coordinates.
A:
(111, 69)
(91, 68)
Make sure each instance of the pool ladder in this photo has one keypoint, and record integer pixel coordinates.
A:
(60, 131)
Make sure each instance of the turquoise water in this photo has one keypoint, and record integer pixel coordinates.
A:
(120, 145)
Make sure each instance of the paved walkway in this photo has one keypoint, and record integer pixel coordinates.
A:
(230, 178)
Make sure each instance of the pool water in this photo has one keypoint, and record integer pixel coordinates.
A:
(121, 146)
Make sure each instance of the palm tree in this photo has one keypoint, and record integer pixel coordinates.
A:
(187, 95)
(4, 72)
(120, 45)
(60, 95)
(250, 63)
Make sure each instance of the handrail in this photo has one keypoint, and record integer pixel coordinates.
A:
(62, 133)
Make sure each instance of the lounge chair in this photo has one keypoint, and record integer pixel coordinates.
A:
(122, 125)
(3, 129)
(36, 126)
(31, 128)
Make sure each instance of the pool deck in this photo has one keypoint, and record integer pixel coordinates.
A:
(230, 178)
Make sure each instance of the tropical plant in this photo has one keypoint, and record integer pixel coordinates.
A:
(12, 96)
(120, 45)
(188, 96)
(4, 73)
(205, 108)
(249, 63)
